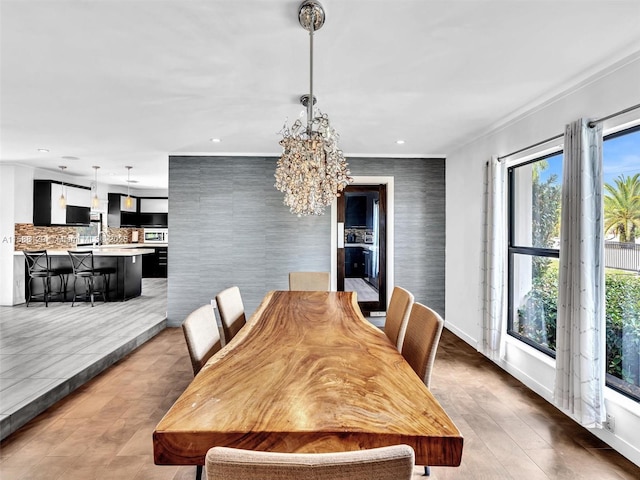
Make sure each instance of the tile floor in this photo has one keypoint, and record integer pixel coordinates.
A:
(47, 352)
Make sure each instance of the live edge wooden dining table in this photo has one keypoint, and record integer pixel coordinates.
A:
(307, 374)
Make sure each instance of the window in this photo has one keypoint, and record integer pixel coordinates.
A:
(534, 232)
(621, 172)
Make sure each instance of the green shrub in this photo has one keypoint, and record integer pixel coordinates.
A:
(623, 326)
(538, 313)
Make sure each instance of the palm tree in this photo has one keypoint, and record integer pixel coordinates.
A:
(622, 207)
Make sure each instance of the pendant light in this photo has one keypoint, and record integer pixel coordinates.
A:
(95, 201)
(62, 201)
(128, 202)
(312, 170)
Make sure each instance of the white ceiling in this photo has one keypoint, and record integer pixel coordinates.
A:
(117, 83)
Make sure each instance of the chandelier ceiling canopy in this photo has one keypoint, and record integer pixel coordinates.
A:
(312, 170)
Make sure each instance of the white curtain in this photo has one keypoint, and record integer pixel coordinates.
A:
(494, 259)
(580, 342)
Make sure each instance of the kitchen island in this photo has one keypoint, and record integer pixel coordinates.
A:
(124, 284)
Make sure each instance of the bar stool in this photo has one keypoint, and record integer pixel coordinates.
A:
(39, 266)
(83, 267)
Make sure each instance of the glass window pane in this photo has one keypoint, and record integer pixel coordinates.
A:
(621, 169)
(536, 199)
(535, 299)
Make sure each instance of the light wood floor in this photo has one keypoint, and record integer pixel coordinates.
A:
(366, 293)
(103, 430)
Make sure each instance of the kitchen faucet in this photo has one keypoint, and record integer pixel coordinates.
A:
(99, 239)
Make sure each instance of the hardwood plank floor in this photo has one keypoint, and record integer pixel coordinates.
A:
(103, 430)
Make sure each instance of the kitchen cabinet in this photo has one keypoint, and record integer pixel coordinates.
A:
(356, 212)
(46, 204)
(153, 220)
(155, 265)
(144, 212)
(154, 212)
(119, 214)
(359, 210)
(354, 262)
(154, 205)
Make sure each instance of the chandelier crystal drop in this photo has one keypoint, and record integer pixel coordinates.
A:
(312, 170)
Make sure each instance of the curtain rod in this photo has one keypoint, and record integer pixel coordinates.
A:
(592, 124)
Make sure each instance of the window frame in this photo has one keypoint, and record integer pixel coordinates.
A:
(609, 384)
(513, 250)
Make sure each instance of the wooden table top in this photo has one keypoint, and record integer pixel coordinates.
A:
(308, 373)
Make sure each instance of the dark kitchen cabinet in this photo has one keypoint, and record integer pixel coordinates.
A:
(154, 212)
(354, 262)
(47, 211)
(153, 220)
(154, 265)
(119, 215)
(356, 212)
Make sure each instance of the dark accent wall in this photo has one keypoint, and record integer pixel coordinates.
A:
(228, 226)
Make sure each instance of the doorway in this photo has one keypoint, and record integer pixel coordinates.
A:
(361, 260)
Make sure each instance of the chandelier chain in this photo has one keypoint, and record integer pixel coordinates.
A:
(312, 170)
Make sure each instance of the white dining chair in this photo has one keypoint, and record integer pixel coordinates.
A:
(202, 336)
(309, 281)
(385, 463)
(231, 311)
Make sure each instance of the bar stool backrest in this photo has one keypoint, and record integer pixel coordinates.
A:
(81, 262)
(37, 261)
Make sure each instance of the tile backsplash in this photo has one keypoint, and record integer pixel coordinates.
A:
(358, 234)
(30, 237)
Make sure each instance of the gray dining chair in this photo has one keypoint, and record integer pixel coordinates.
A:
(421, 340)
(231, 310)
(398, 315)
(385, 463)
(309, 281)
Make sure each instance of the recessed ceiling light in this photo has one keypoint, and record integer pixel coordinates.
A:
(68, 157)
(400, 142)
(43, 150)
(214, 140)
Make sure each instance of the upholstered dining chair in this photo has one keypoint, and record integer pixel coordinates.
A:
(421, 342)
(385, 463)
(309, 281)
(231, 311)
(398, 315)
(203, 341)
(202, 336)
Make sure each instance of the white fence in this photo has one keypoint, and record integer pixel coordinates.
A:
(623, 256)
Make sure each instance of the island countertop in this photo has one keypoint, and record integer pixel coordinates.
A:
(124, 283)
(100, 251)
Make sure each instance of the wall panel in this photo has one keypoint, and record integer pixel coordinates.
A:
(228, 226)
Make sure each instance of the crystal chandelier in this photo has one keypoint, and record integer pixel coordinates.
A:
(312, 170)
